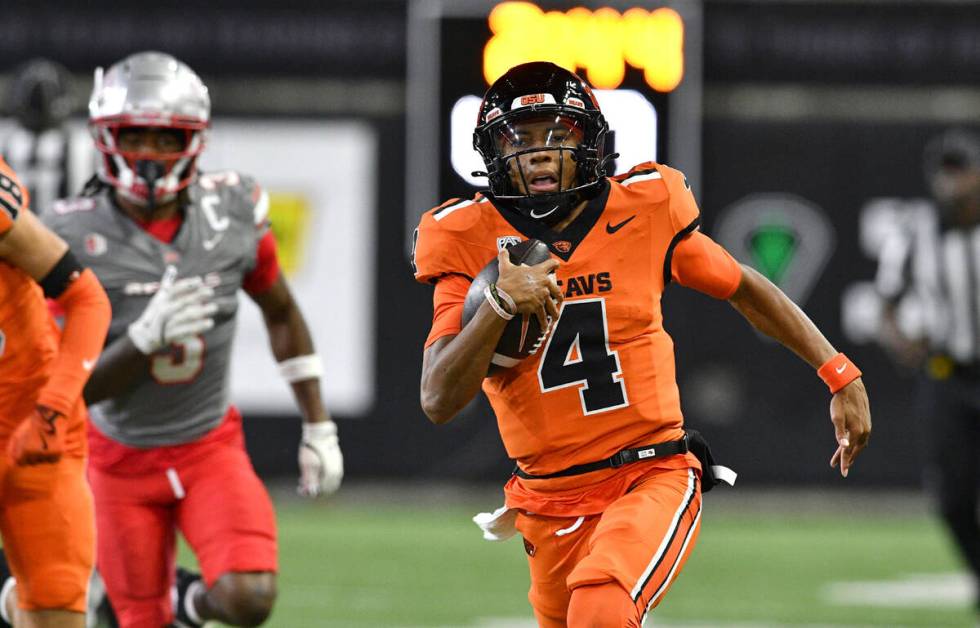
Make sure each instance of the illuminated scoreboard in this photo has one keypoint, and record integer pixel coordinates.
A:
(644, 61)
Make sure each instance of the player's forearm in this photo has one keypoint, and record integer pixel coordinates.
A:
(289, 337)
(119, 369)
(774, 314)
(453, 369)
(87, 314)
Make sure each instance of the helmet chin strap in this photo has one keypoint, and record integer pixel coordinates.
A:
(150, 171)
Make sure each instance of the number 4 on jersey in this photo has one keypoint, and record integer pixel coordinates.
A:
(578, 354)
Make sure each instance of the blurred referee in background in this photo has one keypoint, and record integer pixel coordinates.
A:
(39, 101)
(930, 278)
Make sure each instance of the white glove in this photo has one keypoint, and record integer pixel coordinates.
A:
(178, 309)
(321, 465)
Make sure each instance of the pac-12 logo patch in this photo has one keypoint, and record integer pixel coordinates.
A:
(505, 241)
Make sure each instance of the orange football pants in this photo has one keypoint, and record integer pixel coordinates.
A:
(48, 529)
(640, 543)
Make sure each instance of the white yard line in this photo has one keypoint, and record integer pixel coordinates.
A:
(933, 590)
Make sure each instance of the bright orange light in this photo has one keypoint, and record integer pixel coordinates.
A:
(666, 32)
(600, 42)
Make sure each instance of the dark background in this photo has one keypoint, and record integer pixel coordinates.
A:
(798, 98)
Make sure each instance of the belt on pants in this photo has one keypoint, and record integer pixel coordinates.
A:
(618, 459)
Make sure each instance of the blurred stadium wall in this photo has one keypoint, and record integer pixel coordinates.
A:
(800, 123)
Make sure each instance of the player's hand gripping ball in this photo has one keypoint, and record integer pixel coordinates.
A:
(321, 465)
(523, 334)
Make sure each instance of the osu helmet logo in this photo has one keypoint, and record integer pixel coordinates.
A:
(532, 99)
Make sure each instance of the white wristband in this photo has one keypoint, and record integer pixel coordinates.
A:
(319, 430)
(507, 299)
(301, 368)
(501, 312)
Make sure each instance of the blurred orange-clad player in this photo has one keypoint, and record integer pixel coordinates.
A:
(46, 513)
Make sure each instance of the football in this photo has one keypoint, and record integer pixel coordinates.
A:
(523, 334)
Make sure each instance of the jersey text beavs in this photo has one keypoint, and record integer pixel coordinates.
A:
(604, 379)
(185, 393)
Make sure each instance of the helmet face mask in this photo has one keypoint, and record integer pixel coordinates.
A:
(538, 154)
(149, 91)
(541, 136)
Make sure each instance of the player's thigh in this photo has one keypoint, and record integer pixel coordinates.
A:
(554, 545)
(644, 538)
(49, 533)
(137, 544)
(226, 514)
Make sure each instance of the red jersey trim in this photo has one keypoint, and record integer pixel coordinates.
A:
(266, 272)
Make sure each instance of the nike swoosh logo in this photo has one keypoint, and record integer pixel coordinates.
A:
(611, 228)
(536, 215)
(213, 242)
(841, 369)
(88, 365)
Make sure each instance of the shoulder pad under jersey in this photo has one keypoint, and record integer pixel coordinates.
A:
(445, 239)
(248, 200)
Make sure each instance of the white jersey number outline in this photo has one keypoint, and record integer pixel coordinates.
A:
(577, 354)
(180, 363)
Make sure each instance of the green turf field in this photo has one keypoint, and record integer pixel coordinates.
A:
(368, 563)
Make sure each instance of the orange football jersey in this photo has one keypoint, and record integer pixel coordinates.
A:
(604, 378)
(28, 334)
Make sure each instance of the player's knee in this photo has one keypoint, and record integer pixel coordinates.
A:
(605, 605)
(54, 588)
(246, 598)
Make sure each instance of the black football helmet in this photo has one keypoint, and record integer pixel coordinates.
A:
(572, 136)
(39, 95)
(951, 162)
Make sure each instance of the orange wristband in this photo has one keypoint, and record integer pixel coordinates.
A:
(838, 372)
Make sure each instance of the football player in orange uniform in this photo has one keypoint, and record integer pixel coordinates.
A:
(46, 513)
(607, 492)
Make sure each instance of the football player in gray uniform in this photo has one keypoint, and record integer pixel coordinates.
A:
(173, 247)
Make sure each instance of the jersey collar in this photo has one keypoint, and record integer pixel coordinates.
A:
(561, 243)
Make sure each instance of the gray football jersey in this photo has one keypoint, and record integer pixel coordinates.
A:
(185, 392)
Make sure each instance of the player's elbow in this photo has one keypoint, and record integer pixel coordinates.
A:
(437, 405)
